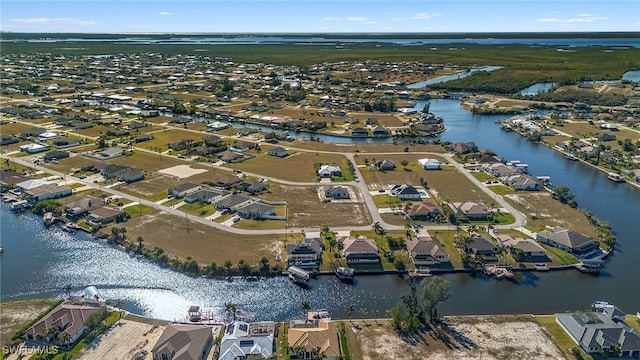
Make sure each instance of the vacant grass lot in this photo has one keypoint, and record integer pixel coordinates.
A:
(542, 210)
(16, 314)
(202, 243)
(584, 129)
(11, 128)
(162, 139)
(305, 207)
(297, 167)
(368, 148)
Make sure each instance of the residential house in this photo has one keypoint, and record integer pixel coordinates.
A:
(183, 342)
(208, 195)
(10, 178)
(305, 253)
(597, 332)
(429, 164)
(30, 183)
(359, 132)
(568, 240)
(9, 139)
(425, 251)
(256, 210)
(229, 156)
(386, 165)
(380, 131)
(56, 155)
(32, 132)
(67, 318)
(405, 192)
(104, 214)
(336, 192)
(529, 247)
(227, 181)
(64, 142)
(278, 151)
(252, 186)
(113, 171)
(131, 176)
(329, 170)
(501, 170)
(142, 137)
(48, 191)
(423, 210)
(314, 337)
(82, 206)
(523, 182)
(184, 189)
(242, 146)
(232, 202)
(463, 148)
(242, 339)
(470, 210)
(359, 250)
(33, 148)
(481, 247)
(488, 159)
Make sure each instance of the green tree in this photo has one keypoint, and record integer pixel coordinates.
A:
(350, 308)
(563, 194)
(305, 306)
(435, 290)
(404, 163)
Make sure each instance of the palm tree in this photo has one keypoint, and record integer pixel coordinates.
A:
(228, 265)
(363, 312)
(140, 241)
(65, 338)
(232, 309)
(376, 312)
(350, 308)
(67, 290)
(305, 305)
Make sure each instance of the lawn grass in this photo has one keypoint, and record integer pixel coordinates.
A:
(162, 139)
(306, 209)
(297, 167)
(282, 343)
(251, 224)
(560, 337)
(558, 256)
(501, 189)
(483, 176)
(385, 200)
(138, 210)
(504, 218)
(446, 239)
(199, 209)
(203, 243)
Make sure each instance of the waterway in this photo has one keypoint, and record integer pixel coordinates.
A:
(39, 262)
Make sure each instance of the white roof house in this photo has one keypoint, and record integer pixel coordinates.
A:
(429, 164)
(32, 184)
(242, 339)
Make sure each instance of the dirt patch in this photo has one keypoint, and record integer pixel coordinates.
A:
(125, 340)
(182, 171)
(16, 314)
(494, 337)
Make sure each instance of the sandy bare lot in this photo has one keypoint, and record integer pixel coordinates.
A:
(467, 338)
(126, 340)
(181, 171)
(16, 314)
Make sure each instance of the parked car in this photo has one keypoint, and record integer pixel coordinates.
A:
(236, 219)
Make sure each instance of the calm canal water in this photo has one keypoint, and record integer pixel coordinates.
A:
(38, 262)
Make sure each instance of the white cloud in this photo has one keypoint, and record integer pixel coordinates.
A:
(425, 16)
(53, 21)
(586, 18)
(357, 18)
(548, 20)
(371, 22)
(399, 19)
(331, 19)
(166, 13)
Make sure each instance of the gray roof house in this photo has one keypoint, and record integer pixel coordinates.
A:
(278, 151)
(183, 342)
(305, 253)
(405, 192)
(567, 240)
(114, 171)
(336, 192)
(425, 251)
(253, 186)
(595, 332)
(184, 189)
(131, 176)
(256, 210)
(232, 201)
(241, 339)
(386, 165)
(359, 250)
(48, 191)
(479, 246)
(205, 195)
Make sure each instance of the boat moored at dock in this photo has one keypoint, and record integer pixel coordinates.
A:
(299, 276)
(345, 274)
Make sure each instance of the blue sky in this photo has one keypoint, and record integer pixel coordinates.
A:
(318, 16)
